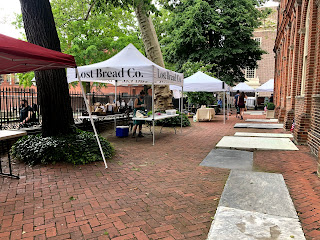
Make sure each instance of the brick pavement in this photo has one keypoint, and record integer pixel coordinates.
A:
(148, 192)
(298, 169)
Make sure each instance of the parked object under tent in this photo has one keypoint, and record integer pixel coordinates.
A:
(128, 67)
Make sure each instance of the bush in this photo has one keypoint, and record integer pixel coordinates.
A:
(270, 106)
(175, 121)
(79, 148)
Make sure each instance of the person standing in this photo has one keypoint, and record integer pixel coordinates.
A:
(138, 105)
(236, 104)
(271, 98)
(241, 103)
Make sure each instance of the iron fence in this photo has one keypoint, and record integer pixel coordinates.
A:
(10, 98)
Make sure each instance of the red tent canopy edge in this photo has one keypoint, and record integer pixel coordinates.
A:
(17, 56)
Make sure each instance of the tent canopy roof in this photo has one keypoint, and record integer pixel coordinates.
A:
(20, 56)
(129, 56)
(129, 66)
(201, 82)
(243, 87)
(266, 87)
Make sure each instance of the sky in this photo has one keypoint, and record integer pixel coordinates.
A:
(8, 9)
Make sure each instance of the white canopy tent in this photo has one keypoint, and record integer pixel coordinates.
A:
(243, 87)
(266, 87)
(128, 67)
(201, 82)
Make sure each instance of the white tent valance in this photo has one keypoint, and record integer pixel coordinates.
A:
(127, 67)
(266, 87)
(243, 87)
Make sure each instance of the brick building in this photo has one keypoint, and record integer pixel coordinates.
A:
(11, 80)
(297, 70)
(266, 36)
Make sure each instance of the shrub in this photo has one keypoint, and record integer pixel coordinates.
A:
(78, 148)
(270, 106)
(174, 121)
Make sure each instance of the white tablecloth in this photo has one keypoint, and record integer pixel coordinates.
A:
(205, 114)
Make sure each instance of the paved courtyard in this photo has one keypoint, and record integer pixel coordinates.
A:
(148, 192)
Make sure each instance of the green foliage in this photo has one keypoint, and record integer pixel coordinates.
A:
(189, 68)
(174, 121)
(93, 34)
(201, 98)
(217, 32)
(25, 79)
(78, 148)
(270, 106)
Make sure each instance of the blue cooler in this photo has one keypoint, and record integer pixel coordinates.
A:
(122, 131)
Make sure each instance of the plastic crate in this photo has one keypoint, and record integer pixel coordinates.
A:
(171, 112)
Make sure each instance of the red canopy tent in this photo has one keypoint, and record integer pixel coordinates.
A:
(18, 56)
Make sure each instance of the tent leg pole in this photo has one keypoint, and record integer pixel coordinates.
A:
(153, 137)
(224, 107)
(115, 99)
(91, 120)
(228, 108)
(181, 107)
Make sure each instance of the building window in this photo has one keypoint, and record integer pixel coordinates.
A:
(305, 53)
(16, 79)
(250, 72)
(1, 78)
(9, 78)
(258, 39)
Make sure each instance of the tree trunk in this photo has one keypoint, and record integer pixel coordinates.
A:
(52, 85)
(163, 96)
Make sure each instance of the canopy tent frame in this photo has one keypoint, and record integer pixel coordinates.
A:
(128, 67)
(212, 84)
(153, 119)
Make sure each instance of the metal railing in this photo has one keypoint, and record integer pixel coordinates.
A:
(10, 98)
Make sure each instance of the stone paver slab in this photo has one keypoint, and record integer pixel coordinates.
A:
(230, 159)
(265, 193)
(268, 135)
(254, 143)
(258, 125)
(262, 120)
(236, 224)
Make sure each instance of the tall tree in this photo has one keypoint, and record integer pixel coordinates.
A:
(53, 92)
(143, 8)
(218, 32)
(83, 35)
(163, 96)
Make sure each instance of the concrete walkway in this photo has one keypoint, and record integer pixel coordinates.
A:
(230, 159)
(262, 120)
(255, 205)
(258, 125)
(254, 143)
(267, 135)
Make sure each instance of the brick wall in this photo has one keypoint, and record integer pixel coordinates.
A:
(291, 65)
(265, 70)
